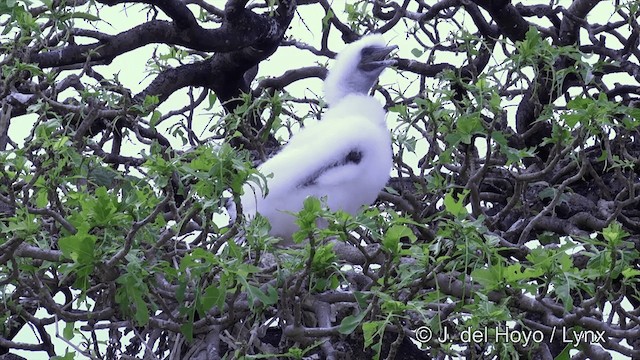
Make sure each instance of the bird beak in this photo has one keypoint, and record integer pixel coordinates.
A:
(378, 57)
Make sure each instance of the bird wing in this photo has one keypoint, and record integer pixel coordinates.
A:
(327, 154)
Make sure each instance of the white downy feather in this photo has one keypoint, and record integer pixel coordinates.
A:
(346, 156)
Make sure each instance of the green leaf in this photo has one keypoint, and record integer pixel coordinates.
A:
(269, 298)
(547, 193)
(187, 330)
(394, 307)
(212, 100)
(361, 298)
(614, 233)
(102, 176)
(371, 330)
(514, 273)
(455, 205)
(490, 278)
(42, 198)
(104, 208)
(68, 355)
(324, 257)
(562, 288)
(325, 20)
(351, 322)
(32, 68)
(142, 310)
(393, 235)
(468, 125)
(155, 117)
(79, 15)
(79, 247)
(572, 119)
(132, 291)
(630, 273)
(307, 217)
(214, 295)
(67, 332)
(312, 205)
(565, 354)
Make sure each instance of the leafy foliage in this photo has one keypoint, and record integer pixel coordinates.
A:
(513, 205)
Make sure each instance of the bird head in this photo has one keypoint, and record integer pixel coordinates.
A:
(357, 68)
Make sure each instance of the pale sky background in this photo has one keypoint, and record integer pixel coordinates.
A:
(131, 69)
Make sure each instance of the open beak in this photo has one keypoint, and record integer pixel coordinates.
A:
(378, 58)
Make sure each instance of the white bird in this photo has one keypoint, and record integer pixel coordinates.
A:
(346, 157)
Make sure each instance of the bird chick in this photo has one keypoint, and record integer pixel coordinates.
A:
(346, 157)
(357, 68)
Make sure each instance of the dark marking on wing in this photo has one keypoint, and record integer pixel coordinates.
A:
(352, 157)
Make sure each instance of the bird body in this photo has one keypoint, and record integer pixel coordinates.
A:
(346, 157)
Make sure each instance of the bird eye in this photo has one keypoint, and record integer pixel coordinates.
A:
(366, 51)
(366, 56)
